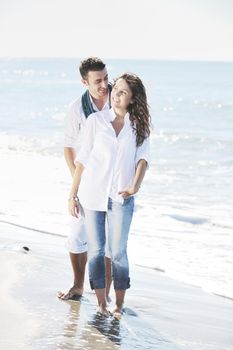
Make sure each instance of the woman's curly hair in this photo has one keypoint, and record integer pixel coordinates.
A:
(138, 110)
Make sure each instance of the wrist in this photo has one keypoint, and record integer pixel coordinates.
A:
(74, 199)
(136, 188)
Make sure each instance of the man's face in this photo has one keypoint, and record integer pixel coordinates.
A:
(97, 83)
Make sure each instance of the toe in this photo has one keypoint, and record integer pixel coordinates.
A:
(117, 315)
(60, 294)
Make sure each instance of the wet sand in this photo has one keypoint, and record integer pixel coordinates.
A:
(160, 313)
(17, 325)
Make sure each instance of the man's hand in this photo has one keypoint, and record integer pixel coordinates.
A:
(73, 208)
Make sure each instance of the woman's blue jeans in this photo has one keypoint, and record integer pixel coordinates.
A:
(117, 219)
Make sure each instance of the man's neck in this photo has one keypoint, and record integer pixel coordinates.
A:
(100, 102)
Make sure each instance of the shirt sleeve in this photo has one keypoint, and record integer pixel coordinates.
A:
(143, 152)
(72, 126)
(88, 141)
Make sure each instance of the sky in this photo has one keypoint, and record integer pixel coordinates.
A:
(133, 29)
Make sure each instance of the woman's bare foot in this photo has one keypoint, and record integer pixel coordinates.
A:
(75, 291)
(117, 312)
(103, 311)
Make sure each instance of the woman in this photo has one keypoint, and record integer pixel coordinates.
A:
(110, 169)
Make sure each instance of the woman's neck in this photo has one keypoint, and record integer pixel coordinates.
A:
(120, 113)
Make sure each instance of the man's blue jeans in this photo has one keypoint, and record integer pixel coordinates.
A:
(118, 217)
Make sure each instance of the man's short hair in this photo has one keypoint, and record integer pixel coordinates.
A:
(90, 64)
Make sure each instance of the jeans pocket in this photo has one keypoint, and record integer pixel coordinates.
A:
(129, 202)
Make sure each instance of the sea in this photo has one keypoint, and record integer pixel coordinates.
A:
(183, 221)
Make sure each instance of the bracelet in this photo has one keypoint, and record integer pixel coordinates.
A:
(76, 199)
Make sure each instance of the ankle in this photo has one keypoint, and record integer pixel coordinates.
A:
(102, 309)
(103, 305)
(118, 308)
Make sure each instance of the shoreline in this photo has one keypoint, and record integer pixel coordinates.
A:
(186, 251)
(159, 270)
(169, 314)
(156, 269)
(31, 228)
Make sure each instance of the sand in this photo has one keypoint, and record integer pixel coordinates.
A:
(16, 320)
(161, 313)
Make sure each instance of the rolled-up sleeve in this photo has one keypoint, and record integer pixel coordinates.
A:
(72, 127)
(88, 141)
(143, 152)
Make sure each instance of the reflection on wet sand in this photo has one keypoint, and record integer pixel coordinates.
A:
(97, 333)
(109, 327)
(77, 326)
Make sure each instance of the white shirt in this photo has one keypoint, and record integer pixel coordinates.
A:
(74, 123)
(109, 161)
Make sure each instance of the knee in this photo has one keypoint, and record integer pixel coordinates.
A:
(118, 256)
(96, 252)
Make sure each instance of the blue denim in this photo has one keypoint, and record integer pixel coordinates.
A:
(118, 219)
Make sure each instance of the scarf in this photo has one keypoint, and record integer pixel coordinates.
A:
(86, 102)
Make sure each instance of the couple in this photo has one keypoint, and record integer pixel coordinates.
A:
(107, 171)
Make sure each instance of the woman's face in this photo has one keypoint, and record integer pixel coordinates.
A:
(121, 95)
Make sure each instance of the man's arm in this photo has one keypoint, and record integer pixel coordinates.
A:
(73, 199)
(69, 154)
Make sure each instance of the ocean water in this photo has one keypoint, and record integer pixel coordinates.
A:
(183, 223)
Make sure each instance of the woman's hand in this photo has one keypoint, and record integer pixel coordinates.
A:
(138, 177)
(73, 207)
(128, 192)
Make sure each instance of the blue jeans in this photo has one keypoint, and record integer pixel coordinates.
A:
(119, 217)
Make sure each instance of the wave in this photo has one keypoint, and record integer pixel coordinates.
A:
(194, 220)
(16, 143)
(189, 219)
(158, 269)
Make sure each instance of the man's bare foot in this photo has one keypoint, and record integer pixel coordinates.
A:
(73, 292)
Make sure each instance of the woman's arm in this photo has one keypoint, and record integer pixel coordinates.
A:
(73, 199)
(138, 177)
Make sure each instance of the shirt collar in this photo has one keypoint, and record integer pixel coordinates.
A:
(106, 105)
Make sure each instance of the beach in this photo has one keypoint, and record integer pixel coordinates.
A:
(183, 215)
(181, 238)
(161, 313)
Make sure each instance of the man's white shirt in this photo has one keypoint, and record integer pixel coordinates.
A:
(74, 123)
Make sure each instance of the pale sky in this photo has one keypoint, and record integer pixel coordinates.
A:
(148, 29)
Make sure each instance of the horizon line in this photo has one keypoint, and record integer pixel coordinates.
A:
(121, 58)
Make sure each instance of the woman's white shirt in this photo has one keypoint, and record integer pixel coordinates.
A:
(109, 160)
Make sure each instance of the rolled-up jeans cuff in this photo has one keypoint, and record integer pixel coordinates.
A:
(122, 284)
(97, 284)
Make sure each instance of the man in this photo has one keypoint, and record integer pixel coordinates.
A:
(95, 78)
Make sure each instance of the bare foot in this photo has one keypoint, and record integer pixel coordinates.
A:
(117, 313)
(73, 292)
(103, 311)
